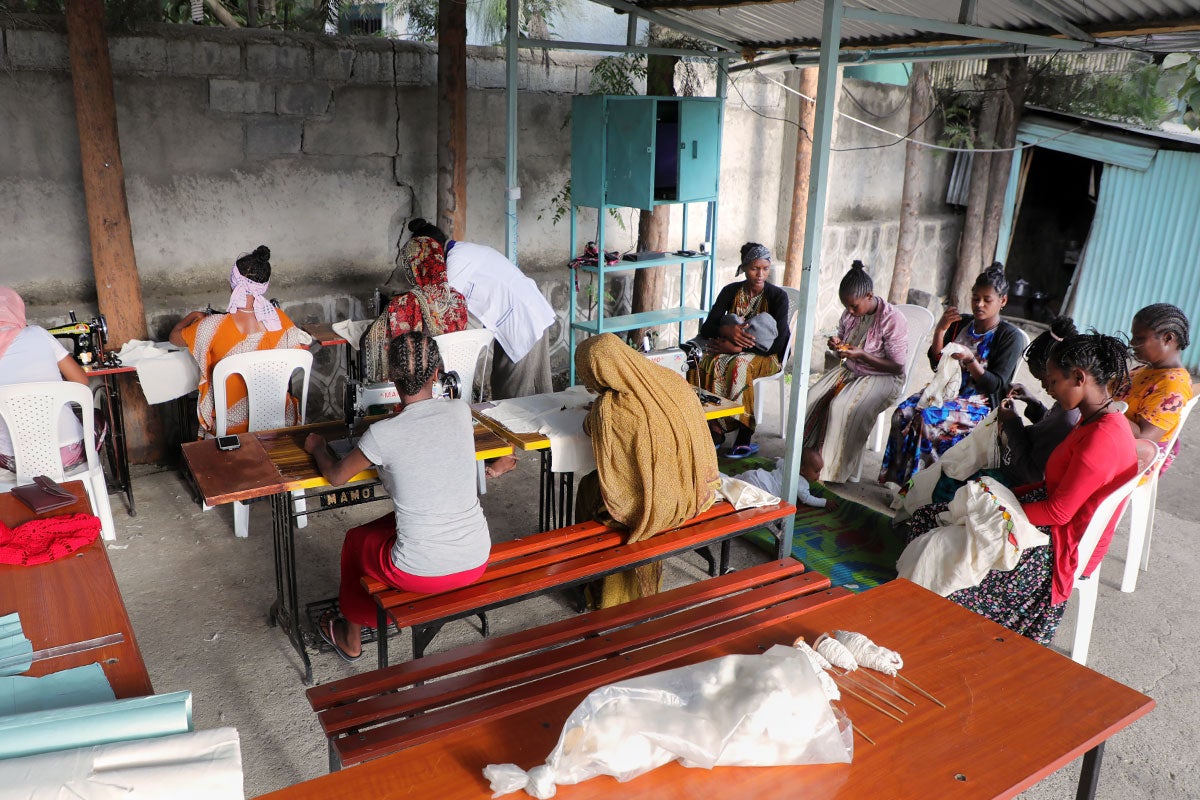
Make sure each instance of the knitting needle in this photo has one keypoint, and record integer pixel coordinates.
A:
(873, 693)
(919, 689)
(889, 688)
(860, 733)
(854, 694)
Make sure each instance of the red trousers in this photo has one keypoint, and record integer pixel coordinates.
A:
(367, 552)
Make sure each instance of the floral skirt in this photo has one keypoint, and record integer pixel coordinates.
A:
(1018, 599)
(919, 436)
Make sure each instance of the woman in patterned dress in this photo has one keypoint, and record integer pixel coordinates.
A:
(1159, 390)
(734, 359)
(251, 323)
(1084, 372)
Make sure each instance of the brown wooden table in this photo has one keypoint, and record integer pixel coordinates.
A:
(274, 464)
(324, 334)
(559, 513)
(1016, 712)
(71, 600)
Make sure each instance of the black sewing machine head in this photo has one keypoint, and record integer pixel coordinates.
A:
(448, 386)
(85, 341)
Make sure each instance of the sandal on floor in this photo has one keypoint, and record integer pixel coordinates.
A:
(743, 451)
(325, 629)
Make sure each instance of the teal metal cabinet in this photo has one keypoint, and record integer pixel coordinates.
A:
(642, 152)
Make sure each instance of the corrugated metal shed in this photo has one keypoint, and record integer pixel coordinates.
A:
(1144, 246)
(773, 24)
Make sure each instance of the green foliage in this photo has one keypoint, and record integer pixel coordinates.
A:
(536, 17)
(1127, 96)
(1180, 81)
(958, 127)
(617, 74)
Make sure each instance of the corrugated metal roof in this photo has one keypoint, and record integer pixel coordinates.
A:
(773, 24)
(1143, 246)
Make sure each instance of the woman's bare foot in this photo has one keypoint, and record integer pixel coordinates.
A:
(500, 466)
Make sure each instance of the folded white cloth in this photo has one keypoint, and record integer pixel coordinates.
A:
(164, 371)
(979, 449)
(947, 378)
(570, 448)
(525, 414)
(983, 529)
(745, 495)
(205, 765)
(352, 330)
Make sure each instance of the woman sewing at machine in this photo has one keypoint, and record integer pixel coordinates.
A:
(251, 324)
(436, 537)
(29, 354)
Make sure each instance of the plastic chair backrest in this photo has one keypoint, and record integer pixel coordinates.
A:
(1157, 466)
(268, 376)
(32, 412)
(794, 300)
(920, 323)
(1104, 514)
(460, 353)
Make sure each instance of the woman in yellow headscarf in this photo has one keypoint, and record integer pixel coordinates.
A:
(655, 463)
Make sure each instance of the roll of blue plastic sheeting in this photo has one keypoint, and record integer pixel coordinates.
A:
(101, 723)
(12, 644)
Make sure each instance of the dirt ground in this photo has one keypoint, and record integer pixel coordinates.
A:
(198, 599)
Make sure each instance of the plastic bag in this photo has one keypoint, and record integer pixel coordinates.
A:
(756, 710)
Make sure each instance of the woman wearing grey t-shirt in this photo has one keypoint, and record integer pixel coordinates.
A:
(436, 539)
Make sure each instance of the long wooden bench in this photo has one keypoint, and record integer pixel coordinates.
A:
(555, 560)
(391, 709)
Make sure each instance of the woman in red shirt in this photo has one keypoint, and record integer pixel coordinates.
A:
(1083, 372)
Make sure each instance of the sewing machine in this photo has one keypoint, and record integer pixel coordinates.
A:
(360, 397)
(87, 341)
(673, 358)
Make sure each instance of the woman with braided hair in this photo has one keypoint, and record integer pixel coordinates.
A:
(1161, 388)
(436, 537)
(1083, 373)
(872, 341)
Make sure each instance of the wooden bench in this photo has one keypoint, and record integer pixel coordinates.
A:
(555, 560)
(386, 710)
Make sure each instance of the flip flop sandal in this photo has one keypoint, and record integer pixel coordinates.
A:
(325, 629)
(743, 451)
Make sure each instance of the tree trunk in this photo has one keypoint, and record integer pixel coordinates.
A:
(118, 287)
(911, 195)
(806, 119)
(452, 118)
(970, 250)
(221, 13)
(649, 285)
(1011, 104)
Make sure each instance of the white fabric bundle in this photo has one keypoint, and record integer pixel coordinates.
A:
(570, 448)
(983, 529)
(352, 330)
(868, 654)
(836, 652)
(979, 449)
(757, 710)
(819, 665)
(947, 378)
(164, 371)
(741, 494)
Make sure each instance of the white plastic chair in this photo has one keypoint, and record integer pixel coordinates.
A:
(461, 351)
(920, 323)
(1141, 509)
(268, 376)
(32, 412)
(767, 384)
(1089, 587)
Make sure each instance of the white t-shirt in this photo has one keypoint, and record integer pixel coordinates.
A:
(509, 304)
(33, 356)
(426, 460)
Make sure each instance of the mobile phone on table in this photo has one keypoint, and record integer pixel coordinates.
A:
(228, 443)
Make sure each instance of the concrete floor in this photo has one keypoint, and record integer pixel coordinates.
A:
(198, 599)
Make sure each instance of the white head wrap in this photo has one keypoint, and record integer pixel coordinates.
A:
(243, 288)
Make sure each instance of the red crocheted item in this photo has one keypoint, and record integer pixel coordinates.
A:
(41, 541)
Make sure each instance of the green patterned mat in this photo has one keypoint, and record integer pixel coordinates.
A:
(853, 545)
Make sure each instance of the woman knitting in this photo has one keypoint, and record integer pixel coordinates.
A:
(251, 324)
(436, 537)
(1083, 374)
(872, 341)
(987, 352)
(735, 357)
(1160, 389)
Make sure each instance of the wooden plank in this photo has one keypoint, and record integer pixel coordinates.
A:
(71, 600)
(476, 597)
(386, 739)
(593, 623)
(542, 665)
(993, 681)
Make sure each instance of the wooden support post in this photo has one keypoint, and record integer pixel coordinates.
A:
(118, 287)
(806, 118)
(452, 118)
(920, 104)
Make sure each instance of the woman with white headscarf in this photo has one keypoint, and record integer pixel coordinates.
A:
(250, 323)
(734, 355)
